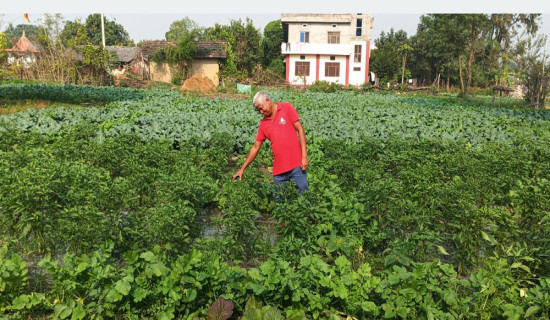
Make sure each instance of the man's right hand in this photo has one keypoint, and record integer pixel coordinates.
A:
(238, 174)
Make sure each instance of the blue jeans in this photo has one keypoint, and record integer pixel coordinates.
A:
(296, 175)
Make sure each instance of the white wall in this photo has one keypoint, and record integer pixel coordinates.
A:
(22, 59)
(340, 59)
(296, 80)
(358, 77)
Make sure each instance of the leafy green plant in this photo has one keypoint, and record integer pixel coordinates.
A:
(13, 277)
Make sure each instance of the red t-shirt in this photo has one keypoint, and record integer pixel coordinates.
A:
(280, 131)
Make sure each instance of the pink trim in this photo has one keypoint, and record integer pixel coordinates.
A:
(347, 70)
(367, 75)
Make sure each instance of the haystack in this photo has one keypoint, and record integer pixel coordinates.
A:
(199, 83)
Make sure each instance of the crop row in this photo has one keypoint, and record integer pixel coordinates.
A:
(344, 116)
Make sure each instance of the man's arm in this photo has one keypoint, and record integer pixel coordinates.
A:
(302, 140)
(251, 156)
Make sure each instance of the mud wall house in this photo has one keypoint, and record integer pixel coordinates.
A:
(327, 47)
(157, 71)
(205, 62)
(23, 53)
(128, 58)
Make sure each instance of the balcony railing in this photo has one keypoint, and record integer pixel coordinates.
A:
(316, 48)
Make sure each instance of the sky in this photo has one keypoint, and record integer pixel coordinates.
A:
(150, 20)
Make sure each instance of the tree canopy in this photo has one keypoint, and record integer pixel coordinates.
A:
(243, 49)
(271, 47)
(115, 34)
(184, 28)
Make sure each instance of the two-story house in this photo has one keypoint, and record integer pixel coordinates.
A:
(329, 47)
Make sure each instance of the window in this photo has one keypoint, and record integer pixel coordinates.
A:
(334, 26)
(304, 37)
(356, 68)
(332, 69)
(332, 58)
(302, 57)
(301, 68)
(304, 25)
(357, 57)
(334, 37)
(359, 29)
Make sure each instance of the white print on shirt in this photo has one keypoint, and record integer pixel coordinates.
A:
(282, 121)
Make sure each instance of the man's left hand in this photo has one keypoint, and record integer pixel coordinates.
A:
(304, 164)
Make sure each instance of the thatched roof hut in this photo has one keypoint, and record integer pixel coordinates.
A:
(124, 54)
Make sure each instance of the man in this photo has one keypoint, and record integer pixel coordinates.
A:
(280, 125)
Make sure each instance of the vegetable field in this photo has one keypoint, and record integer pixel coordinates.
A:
(419, 208)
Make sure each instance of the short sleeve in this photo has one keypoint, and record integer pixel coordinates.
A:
(292, 114)
(260, 136)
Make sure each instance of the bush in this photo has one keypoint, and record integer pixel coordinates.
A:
(326, 87)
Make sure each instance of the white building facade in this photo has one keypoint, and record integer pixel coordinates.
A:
(326, 47)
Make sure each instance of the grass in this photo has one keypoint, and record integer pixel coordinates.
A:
(8, 106)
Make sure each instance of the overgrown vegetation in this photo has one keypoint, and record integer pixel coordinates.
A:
(420, 207)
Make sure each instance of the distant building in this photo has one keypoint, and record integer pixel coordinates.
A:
(129, 58)
(329, 47)
(23, 52)
(205, 62)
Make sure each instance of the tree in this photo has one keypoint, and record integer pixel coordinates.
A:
(404, 49)
(14, 33)
(74, 34)
(504, 29)
(115, 34)
(271, 47)
(243, 49)
(4, 69)
(181, 28)
(476, 27)
(449, 39)
(531, 62)
(436, 48)
(386, 60)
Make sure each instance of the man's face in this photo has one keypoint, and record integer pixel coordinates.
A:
(265, 108)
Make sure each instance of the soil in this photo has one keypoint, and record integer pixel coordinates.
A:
(199, 83)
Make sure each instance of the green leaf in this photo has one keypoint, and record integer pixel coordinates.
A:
(81, 267)
(158, 269)
(166, 315)
(342, 263)
(148, 256)
(253, 303)
(123, 287)
(113, 296)
(368, 306)
(272, 313)
(191, 294)
(442, 250)
(139, 294)
(78, 313)
(62, 311)
(20, 302)
(512, 312)
(450, 297)
(252, 314)
(531, 311)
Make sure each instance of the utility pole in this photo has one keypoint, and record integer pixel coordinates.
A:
(102, 31)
